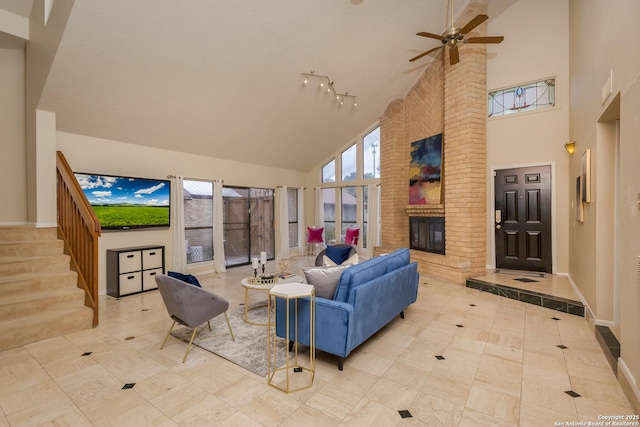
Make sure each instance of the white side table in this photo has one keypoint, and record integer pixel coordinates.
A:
(280, 377)
(261, 287)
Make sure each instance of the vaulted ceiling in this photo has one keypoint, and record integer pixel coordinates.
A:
(223, 78)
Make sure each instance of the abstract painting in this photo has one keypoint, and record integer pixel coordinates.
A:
(425, 171)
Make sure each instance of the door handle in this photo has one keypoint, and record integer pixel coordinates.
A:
(498, 216)
(498, 226)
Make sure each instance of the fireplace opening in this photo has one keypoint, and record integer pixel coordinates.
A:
(427, 234)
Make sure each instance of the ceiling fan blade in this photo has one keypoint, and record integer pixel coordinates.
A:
(425, 53)
(473, 23)
(454, 57)
(430, 35)
(490, 39)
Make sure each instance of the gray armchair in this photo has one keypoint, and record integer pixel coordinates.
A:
(190, 305)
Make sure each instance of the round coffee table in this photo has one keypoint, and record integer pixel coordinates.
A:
(266, 287)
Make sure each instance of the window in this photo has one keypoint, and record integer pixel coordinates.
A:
(345, 203)
(371, 154)
(329, 172)
(198, 220)
(349, 208)
(329, 199)
(526, 97)
(349, 164)
(292, 201)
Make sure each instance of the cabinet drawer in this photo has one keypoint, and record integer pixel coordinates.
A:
(152, 258)
(130, 283)
(149, 279)
(130, 261)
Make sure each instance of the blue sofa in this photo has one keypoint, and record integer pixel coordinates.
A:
(368, 296)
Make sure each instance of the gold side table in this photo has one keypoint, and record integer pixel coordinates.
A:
(281, 377)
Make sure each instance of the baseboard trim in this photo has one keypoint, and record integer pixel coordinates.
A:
(46, 225)
(13, 224)
(607, 323)
(629, 385)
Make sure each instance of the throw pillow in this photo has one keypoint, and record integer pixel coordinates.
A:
(315, 235)
(324, 279)
(338, 254)
(189, 278)
(352, 260)
(351, 236)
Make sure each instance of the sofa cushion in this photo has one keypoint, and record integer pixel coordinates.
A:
(327, 262)
(189, 278)
(369, 270)
(397, 259)
(338, 254)
(324, 279)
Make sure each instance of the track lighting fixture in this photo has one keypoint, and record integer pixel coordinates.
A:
(330, 88)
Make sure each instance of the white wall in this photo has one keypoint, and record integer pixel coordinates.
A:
(41, 51)
(604, 39)
(536, 46)
(94, 155)
(13, 163)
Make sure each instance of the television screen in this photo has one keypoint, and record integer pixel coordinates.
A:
(123, 203)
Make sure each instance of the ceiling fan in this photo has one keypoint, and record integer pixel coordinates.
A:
(453, 35)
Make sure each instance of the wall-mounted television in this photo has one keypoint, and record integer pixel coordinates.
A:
(126, 203)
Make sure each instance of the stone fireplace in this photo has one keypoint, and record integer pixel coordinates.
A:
(450, 100)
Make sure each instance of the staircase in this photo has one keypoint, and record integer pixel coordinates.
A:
(39, 296)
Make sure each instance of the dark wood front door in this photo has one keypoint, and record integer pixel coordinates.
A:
(522, 218)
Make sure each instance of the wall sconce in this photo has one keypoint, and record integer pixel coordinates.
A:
(340, 97)
(570, 147)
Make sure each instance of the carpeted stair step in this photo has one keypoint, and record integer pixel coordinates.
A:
(31, 248)
(34, 302)
(29, 283)
(50, 322)
(16, 266)
(39, 296)
(19, 234)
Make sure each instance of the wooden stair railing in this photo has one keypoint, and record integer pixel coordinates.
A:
(79, 228)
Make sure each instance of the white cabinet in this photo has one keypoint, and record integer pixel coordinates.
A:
(133, 270)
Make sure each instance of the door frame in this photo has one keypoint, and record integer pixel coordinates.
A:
(491, 211)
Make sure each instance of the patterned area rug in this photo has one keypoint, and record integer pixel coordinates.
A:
(249, 350)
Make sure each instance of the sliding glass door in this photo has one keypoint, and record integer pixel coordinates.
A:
(248, 224)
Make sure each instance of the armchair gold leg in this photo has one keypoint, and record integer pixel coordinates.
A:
(229, 324)
(190, 342)
(169, 332)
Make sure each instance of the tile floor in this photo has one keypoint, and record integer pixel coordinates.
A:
(501, 367)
